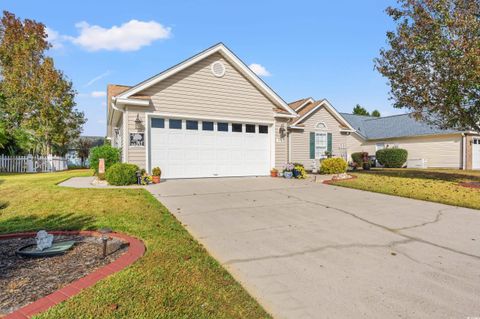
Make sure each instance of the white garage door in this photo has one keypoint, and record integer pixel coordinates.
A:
(201, 148)
(476, 153)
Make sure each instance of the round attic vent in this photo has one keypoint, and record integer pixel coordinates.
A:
(218, 69)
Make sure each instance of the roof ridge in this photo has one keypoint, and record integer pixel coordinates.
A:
(382, 117)
(305, 98)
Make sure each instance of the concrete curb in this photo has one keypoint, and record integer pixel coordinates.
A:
(135, 250)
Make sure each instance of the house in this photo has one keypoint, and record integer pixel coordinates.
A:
(210, 116)
(72, 156)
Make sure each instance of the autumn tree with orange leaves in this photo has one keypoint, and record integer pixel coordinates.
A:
(37, 106)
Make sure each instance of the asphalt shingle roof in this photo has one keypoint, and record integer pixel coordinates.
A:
(403, 125)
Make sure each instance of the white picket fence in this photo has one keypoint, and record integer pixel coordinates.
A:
(32, 164)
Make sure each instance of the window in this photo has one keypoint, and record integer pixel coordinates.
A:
(379, 146)
(207, 126)
(222, 127)
(236, 127)
(321, 126)
(192, 125)
(320, 145)
(175, 124)
(158, 123)
(263, 129)
(249, 128)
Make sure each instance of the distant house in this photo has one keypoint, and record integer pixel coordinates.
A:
(72, 154)
(211, 116)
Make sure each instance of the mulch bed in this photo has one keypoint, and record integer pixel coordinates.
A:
(23, 280)
(470, 184)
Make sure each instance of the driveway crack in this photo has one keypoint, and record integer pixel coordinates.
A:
(392, 230)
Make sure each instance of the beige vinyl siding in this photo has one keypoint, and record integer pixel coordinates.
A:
(300, 139)
(439, 150)
(195, 91)
(135, 155)
(281, 144)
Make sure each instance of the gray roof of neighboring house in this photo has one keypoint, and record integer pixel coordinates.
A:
(402, 125)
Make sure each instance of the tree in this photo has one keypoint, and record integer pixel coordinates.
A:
(433, 63)
(83, 148)
(376, 113)
(359, 110)
(39, 99)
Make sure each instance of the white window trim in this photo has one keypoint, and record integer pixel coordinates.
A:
(320, 156)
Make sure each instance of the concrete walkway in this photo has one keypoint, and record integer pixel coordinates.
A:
(90, 182)
(308, 250)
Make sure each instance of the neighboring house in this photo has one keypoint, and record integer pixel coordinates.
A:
(72, 154)
(427, 145)
(210, 115)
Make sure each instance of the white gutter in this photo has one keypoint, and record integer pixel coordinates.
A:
(132, 101)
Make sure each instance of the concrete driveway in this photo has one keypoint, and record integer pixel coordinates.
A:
(308, 250)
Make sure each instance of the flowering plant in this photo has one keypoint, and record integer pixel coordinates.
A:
(288, 167)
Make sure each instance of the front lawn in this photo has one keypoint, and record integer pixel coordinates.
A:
(175, 279)
(440, 185)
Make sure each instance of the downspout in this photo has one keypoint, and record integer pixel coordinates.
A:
(464, 151)
(125, 128)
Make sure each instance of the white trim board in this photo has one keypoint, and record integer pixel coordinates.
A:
(230, 56)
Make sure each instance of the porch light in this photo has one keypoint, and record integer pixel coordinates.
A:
(138, 123)
(281, 130)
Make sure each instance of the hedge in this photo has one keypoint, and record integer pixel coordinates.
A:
(121, 174)
(334, 165)
(107, 152)
(358, 158)
(392, 157)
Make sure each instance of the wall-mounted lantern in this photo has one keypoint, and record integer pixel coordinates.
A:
(282, 131)
(138, 123)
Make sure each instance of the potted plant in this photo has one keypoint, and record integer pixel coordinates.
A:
(156, 173)
(288, 170)
(273, 172)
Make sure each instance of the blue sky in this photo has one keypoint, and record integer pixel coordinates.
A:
(323, 49)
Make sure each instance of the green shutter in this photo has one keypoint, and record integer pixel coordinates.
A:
(329, 143)
(312, 145)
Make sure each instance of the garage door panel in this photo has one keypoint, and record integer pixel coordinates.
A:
(182, 153)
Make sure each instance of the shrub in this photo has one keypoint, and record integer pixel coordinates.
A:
(358, 158)
(156, 171)
(301, 173)
(121, 174)
(392, 157)
(107, 152)
(333, 165)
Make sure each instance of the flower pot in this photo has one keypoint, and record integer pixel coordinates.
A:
(288, 175)
(295, 173)
(273, 174)
(156, 179)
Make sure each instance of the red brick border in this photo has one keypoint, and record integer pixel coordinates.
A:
(331, 181)
(470, 184)
(135, 250)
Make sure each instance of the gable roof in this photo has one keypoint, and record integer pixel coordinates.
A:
(230, 57)
(297, 105)
(313, 107)
(402, 125)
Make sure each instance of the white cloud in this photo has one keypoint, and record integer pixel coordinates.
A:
(97, 78)
(98, 94)
(130, 36)
(259, 69)
(55, 39)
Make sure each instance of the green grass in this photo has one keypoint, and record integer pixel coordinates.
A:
(440, 185)
(175, 279)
